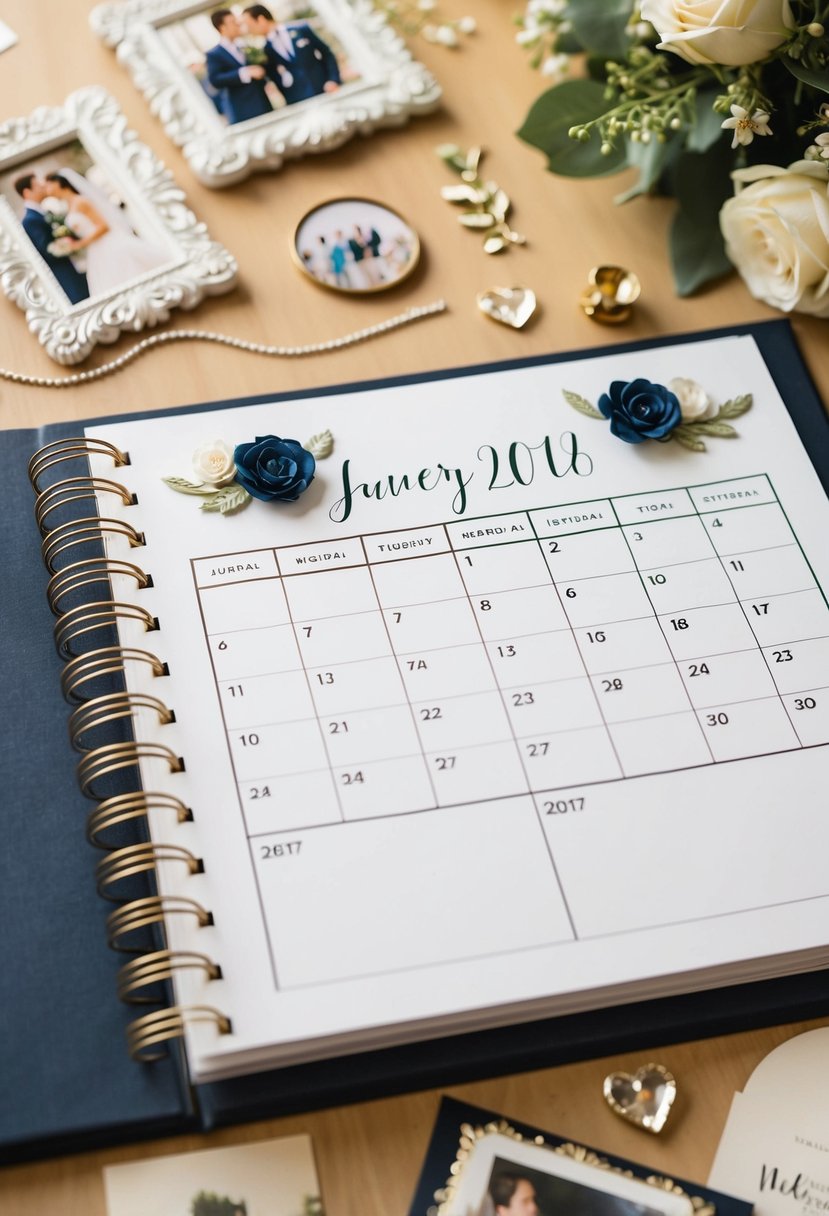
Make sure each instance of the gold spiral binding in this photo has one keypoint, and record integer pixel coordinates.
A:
(112, 757)
(148, 970)
(90, 530)
(110, 708)
(145, 1033)
(143, 979)
(133, 859)
(124, 808)
(60, 450)
(89, 571)
(152, 910)
(88, 618)
(77, 489)
(107, 661)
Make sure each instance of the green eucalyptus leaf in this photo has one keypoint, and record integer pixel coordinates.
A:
(707, 128)
(681, 435)
(229, 498)
(817, 80)
(546, 127)
(702, 184)
(321, 445)
(582, 404)
(651, 160)
(600, 25)
(183, 486)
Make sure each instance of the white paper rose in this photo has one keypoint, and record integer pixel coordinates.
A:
(694, 403)
(214, 464)
(776, 231)
(731, 32)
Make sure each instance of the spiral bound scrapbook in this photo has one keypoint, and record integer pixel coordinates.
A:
(361, 768)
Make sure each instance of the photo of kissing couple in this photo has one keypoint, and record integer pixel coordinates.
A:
(256, 60)
(79, 225)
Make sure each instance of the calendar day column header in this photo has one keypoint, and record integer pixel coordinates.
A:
(664, 504)
(235, 568)
(321, 555)
(396, 546)
(738, 492)
(573, 517)
(491, 530)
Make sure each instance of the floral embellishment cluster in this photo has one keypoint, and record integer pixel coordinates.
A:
(682, 410)
(269, 468)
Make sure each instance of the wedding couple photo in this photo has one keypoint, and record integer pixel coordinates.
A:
(355, 245)
(253, 60)
(79, 225)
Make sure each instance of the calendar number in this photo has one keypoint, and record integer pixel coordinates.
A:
(338, 728)
(251, 740)
(570, 593)
(782, 656)
(760, 609)
(352, 778)
(486, 606)
(306, 629)
(443, 763)
(736, 564)
(679, 623)
(699, 669)
(553, 546)
(562, 806)
(538, 749)
(657, 580)
(598, 635)
(507, 652)
(614, 685)
(431, 714)
(259, 791)
(325, 677)
(523, 698)
(716, 523)
(236, 690)
(269, 852)
(222, 646)
(719, 719)
(805, 703)
(638, 536)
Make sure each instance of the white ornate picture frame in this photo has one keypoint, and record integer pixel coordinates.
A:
(389, 87)
(148, 215)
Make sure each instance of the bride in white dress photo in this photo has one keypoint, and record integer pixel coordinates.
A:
(114, 253)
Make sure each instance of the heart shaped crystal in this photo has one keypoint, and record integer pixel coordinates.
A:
(510, 305)
(645, 1098)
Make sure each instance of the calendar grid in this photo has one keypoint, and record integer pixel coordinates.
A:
(602, 690)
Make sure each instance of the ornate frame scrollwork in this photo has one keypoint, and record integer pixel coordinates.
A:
(471, 1135)
(392, 88)
(198, 266)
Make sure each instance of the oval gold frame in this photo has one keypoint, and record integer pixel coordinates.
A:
(349, 292)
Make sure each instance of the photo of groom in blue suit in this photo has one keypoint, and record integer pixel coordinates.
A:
(239, 85)
(299, 61)
(38, 228)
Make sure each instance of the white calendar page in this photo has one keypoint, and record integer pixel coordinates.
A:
(503, 717)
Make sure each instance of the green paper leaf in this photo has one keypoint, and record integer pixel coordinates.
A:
(817, 80)
(567, 105)
(687, 440)
(600, 25)
(582, 405)
(229, 498)
(736, 407)
(320, 445)
(183, 486)
(712, 427)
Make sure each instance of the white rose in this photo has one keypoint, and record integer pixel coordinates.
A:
(776, 231)
(694, 402)
(732, 32)
(214, 463)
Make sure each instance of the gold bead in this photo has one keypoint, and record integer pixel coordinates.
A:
(610, 295)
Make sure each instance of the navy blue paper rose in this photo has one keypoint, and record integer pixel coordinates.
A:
(274, 469)
(639, 410)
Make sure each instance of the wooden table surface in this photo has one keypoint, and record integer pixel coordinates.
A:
(369, 1155)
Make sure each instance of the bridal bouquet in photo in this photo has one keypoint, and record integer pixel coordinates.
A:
(723, 104)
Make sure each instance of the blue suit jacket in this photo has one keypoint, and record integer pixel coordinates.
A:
(39, 231)
(239, 101)
(312, 65)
